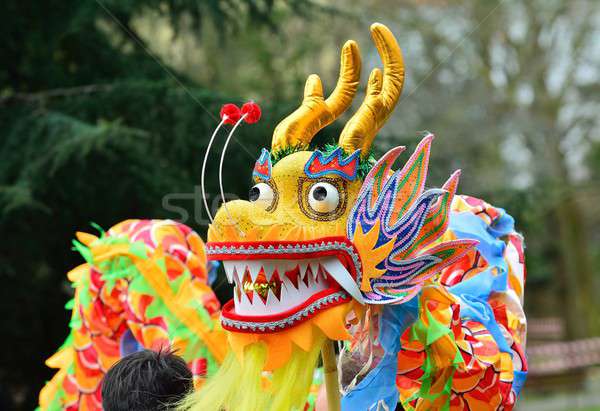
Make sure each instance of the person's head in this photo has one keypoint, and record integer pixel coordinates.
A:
(146, 381)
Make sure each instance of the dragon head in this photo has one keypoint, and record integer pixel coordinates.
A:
(329, 231)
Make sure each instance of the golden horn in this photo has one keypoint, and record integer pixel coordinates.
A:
(297, 129)
(383, 92)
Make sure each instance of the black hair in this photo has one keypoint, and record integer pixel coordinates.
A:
(146, 381)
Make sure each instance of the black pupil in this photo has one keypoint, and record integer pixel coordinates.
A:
(319, 193)
(254, 193)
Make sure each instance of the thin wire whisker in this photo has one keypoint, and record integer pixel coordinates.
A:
(204, 161)
(221, 162)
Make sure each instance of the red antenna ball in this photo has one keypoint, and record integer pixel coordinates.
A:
(252, 111)
(232, 112)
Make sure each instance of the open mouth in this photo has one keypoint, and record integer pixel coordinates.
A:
(280, 283)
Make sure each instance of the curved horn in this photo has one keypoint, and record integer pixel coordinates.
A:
(383, 92)
(298, 128)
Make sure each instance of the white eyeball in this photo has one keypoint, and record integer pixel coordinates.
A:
(323, 197)
(262, 194)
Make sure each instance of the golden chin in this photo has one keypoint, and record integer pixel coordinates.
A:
(331, 323)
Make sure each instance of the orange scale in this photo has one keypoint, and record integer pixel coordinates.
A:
(464, 381)
(81, 340)
(88, 359)
(155, 337)
(87, 403)
(407, 385)
(457, 403)
(166, 234)
(196, 268)
(97, 318)
(136, 330)
(174, 267)
(486, 350)
(410, 360)
(479, 400)
(108, 352)
(70, 385)
(86, 382)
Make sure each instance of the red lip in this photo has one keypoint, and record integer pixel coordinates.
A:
(313, 297)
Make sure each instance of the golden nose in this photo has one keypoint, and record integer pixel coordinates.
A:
(238, 218)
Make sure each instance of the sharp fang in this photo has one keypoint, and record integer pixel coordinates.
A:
(288, 265)
(229, 268)
(314, 266)
(245, 304)
(240, 269)
(336, 269)
(310, 281)
(302, 266)
(236, 295)
(254, 267)
(315, 275)
(271, 299)
(269, 268)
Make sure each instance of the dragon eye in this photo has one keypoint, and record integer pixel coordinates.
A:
(323, 197)
(262, 194)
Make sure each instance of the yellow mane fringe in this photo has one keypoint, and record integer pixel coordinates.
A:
(240, 386)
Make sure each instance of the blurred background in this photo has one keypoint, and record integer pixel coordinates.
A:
(106, 107)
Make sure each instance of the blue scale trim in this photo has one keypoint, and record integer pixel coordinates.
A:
(338, 154)
(265, 156)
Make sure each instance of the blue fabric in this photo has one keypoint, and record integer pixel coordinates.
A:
(128, 344)
(474, 293)
(519, 381)
(466, 225)
(379, 385)
(212, 271)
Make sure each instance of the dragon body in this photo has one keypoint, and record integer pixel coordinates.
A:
(144, 285)
(422, 287)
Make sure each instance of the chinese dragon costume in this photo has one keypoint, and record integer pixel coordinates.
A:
(421, 287)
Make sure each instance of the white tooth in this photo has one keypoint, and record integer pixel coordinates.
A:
(288, 265)
(229, 267)
(302, 266)
(311, 281)
(254, 267)
(244, 307)
(336, 269)
(284, 295)
(315, 275)
(269, 267)
(240, 268)
(272, 301)
(236, 301)
(314, 266)
(322, 275)
(301, 286)
(290, 296)
(286, 282)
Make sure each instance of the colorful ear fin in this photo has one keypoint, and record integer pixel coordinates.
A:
(395, 215)
(392, 195)
(405, 278)
(411, 179)
(437, 219)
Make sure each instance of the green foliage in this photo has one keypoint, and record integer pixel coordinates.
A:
(286, 151)
(95, 129)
